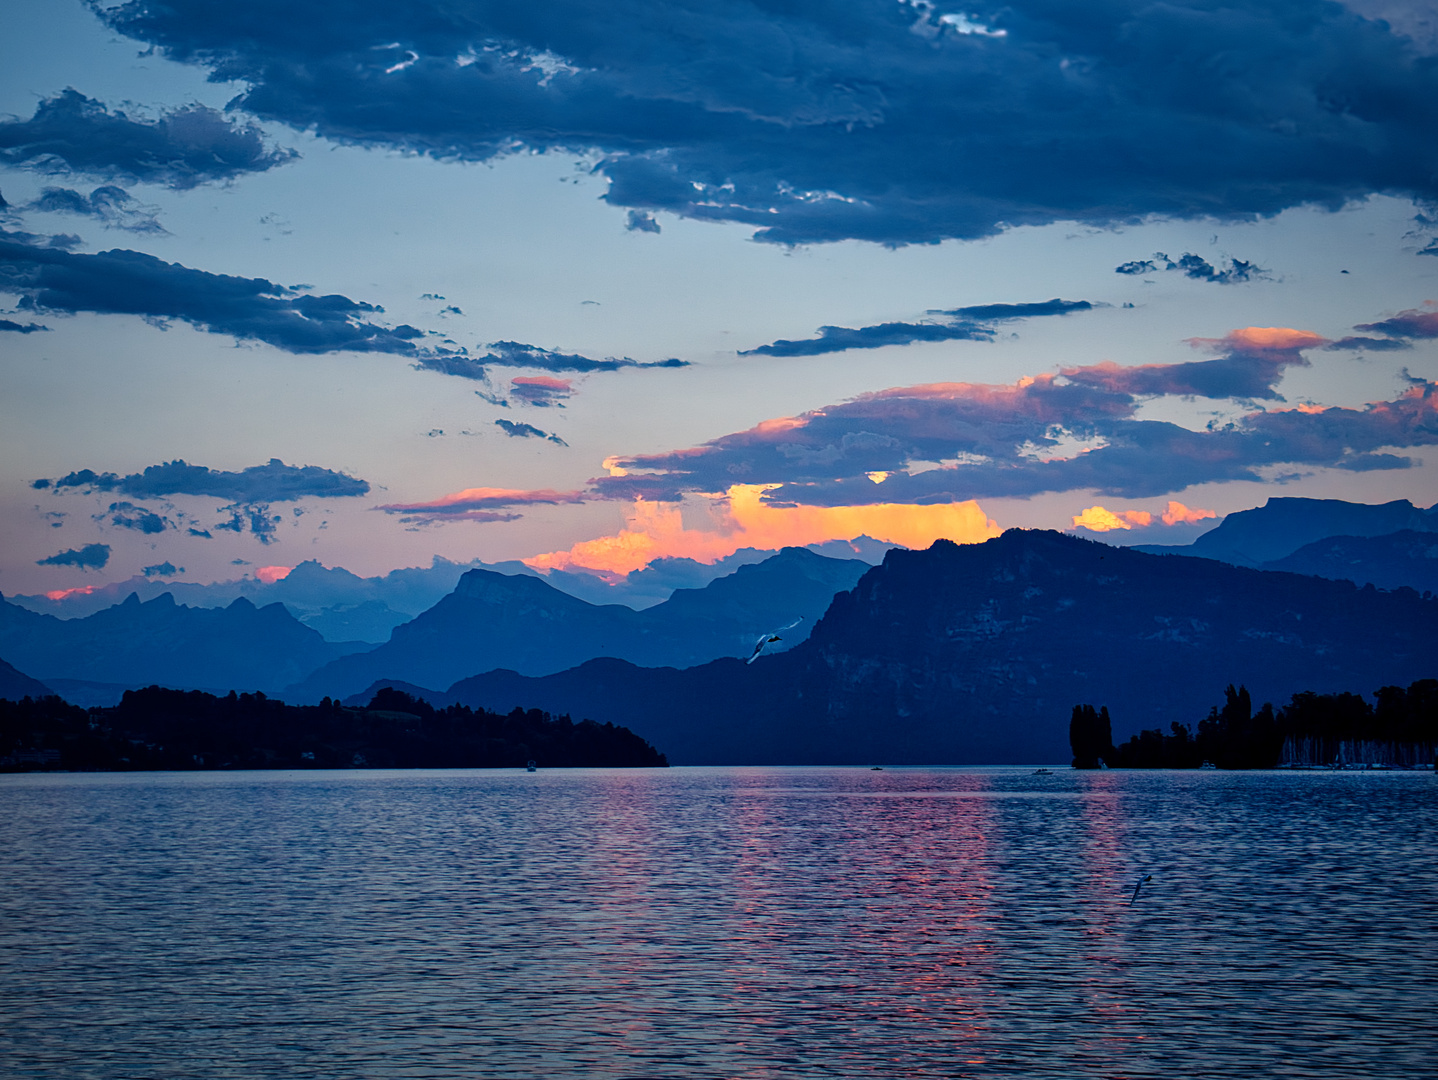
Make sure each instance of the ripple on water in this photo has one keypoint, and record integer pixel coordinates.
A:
(717, 923)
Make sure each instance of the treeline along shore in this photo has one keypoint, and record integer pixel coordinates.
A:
(1399, 730)
(156, 728)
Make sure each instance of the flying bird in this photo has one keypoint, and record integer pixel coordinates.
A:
(1146, 877)
(769, 638)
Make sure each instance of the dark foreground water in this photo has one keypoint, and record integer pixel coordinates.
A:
(784, 923)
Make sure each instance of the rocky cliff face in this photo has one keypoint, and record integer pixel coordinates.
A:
(978, 653)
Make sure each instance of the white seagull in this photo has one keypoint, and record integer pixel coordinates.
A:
(772, 636)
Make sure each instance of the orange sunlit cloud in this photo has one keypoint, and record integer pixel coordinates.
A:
(1178, 514)
(271, 574)
(1100, 519)
(1263, 339)
(657, 530)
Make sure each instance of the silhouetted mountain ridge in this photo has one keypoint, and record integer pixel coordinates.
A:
(1280, 527)
(495, 621)
(977, 654)
(158, 641)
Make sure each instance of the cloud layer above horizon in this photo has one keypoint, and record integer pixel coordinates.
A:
(888, 121)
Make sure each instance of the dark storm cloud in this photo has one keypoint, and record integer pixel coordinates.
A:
(1196, 267)
(91, 556)
(132, 283)
(869, 119)
(960, 326)
(181, 148)
(164, 569)
(1078, 429)
(10, 326)
(517, 430)
(110, 204)
(271, 482)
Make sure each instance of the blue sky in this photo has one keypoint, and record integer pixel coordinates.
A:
(316, 277)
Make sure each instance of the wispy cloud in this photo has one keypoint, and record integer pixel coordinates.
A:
(518, 430)
(959, 324)
(481, 504)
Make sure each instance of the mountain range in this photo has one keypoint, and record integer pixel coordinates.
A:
(977, 654)
(239, 647)
(1280, 527)
(493, 621)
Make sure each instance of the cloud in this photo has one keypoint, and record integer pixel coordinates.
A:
(271, 574)
(181, 148)
(1178, 514)
(890, 122)
(516, 430)
(1370, 344)
(254, 516)
(1078, 429)
(272, 482)
(164, 569)
(1196, 267)
(1100, 519)
(959, 325)
(541, 391)
(480, 504)
(1252, 362)
(838, 338)
(129, 516)
(7, 325)
(656, 531)
(1414, 324)
(124, 282)
(640, 221)
(91, 556)
(110, 204)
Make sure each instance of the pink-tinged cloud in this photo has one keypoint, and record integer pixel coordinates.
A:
(1074, 430)
(541, 391)
(485, 498)
(62, 594)
(271, 574)
(1178, 514)
(483, 504)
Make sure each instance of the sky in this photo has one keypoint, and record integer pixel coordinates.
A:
(590, 285)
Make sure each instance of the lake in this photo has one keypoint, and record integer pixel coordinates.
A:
(708, 922)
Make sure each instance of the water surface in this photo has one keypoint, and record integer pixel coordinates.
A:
(784, 923)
